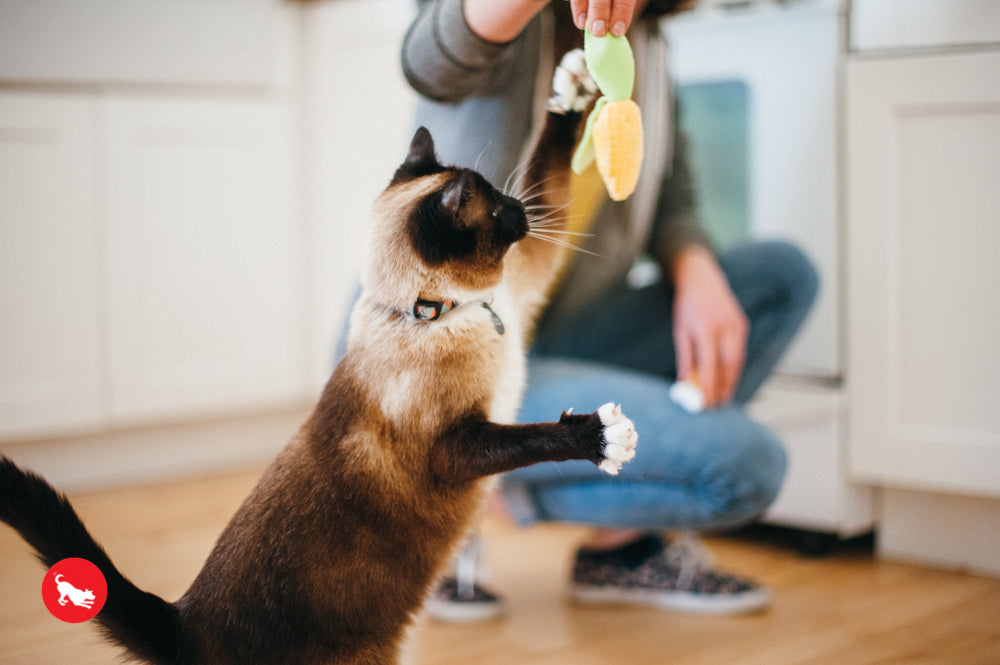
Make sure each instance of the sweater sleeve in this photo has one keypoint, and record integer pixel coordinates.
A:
(676, 224)
(444, 60)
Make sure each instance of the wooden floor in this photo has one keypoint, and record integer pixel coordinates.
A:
(842, 609)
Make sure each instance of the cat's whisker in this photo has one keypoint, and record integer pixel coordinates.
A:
(551, 218)
(482, 152)
(542, 206)
(517, 174)
(545, 224)
(550, 209)
(561, 243)
(543, 210)
(531, 193)
(557, 232)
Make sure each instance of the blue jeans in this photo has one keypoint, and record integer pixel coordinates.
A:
(713, 470)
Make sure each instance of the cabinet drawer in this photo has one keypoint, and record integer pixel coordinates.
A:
(905, 25)
(139, 41)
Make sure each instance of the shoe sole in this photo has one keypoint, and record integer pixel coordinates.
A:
(463, 613)
(748, 602)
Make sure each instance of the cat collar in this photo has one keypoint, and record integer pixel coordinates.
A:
(432, 310)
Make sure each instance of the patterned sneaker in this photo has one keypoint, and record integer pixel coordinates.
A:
(451, 604)
(461, 598)
(678, 576)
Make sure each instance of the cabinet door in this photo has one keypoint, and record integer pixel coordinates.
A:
(353, 148)
(203, 253)
(50, 354)
(924, 276)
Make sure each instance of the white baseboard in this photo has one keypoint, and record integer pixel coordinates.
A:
(941, 530)
(158, 454)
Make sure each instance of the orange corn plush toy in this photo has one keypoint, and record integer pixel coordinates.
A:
(613, 135)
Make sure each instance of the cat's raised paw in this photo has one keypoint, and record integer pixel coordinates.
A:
(573, 88)
(620, 438)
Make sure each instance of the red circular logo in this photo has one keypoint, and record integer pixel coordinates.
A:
(74, 590)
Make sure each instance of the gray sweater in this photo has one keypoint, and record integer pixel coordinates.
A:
(482, 101)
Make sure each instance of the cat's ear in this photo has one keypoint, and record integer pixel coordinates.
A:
(420, 159)
(451, 196)
(421, 149)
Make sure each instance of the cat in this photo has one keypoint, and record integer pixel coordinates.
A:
(335, 549)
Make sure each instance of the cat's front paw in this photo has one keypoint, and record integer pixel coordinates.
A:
(620, 438)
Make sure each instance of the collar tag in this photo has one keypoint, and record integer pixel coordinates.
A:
(497, 323)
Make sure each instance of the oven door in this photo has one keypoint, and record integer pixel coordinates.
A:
(758, 90)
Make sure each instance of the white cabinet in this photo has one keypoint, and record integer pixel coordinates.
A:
(924, 238)
(357, 117)
(817, 494)
(203, 256)
(151, 236)
(50, 349)
(923, 278)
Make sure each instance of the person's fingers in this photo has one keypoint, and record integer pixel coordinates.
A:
(732, 355)
(707, 362)
(603, 16)
(684, 348)
(598, 16)
(621, 16)
(579, 10)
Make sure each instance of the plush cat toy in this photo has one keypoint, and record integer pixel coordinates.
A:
(613, 134)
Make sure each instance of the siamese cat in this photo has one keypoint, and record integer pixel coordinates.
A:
(332, 554)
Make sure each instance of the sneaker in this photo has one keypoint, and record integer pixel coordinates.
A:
(461, 598)
(678, 576)
(451, 604)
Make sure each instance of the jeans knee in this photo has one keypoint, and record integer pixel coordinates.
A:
(798, 273)
(741, 488)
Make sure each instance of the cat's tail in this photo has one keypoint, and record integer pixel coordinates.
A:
(146, 625)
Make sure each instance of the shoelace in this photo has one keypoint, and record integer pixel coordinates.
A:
(465, 567)
(689, 555)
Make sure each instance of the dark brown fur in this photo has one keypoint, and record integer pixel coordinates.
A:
(334, 550)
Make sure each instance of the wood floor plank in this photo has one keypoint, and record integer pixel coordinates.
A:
(846, 608)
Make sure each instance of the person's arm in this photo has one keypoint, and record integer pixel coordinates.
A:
(456, 48)
(501, 22)
(710, 327)
(445, 60)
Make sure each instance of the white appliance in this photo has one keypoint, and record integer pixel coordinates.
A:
(759, 92)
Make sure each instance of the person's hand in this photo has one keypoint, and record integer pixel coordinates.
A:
(603, 16)
(500, 21)
(710, 327)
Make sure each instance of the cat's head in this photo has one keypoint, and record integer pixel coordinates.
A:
(438, 232)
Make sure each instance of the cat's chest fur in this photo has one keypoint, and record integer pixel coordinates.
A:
(471, 359)
(512, 371)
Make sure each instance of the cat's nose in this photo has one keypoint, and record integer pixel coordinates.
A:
(519, 222)
(512, 224)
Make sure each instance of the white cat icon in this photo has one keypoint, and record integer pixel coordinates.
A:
(70, 594)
